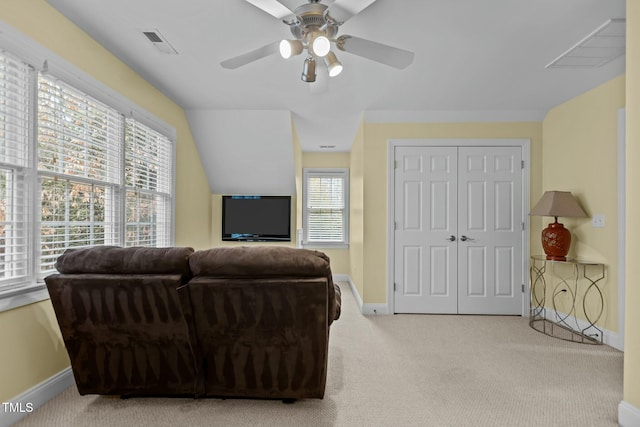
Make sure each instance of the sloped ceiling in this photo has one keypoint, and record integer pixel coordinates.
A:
(245, 152)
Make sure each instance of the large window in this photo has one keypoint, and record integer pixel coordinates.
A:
(325, 207)
(74, 172)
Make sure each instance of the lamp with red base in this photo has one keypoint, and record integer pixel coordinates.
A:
(556, 239)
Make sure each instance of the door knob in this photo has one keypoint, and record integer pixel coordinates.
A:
(452, 238)
(465, 238)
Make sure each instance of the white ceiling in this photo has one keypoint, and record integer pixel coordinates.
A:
(484, 57)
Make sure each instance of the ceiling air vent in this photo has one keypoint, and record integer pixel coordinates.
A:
(604, 44)
(159, 42)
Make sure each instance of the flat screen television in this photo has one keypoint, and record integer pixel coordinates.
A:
(256, 218)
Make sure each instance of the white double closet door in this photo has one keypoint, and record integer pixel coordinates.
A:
(458, 230)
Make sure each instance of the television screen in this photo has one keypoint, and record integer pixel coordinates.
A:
(256, 218)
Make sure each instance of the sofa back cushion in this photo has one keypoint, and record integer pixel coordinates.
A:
(256, 262)
(118, 260)
(260, 261)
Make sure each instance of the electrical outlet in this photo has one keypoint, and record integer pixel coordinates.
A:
(598, 221)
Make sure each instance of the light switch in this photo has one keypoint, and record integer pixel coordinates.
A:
(598, 221)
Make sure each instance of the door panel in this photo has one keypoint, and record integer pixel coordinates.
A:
(475, 274)
(425, 260)
(412, 270)
(490, 216)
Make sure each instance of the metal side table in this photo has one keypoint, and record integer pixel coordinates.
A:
(559, 280)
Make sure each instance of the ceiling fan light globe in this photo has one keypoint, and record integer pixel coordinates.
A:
(289, 48)
(321, 46)
(333, 65)
(335, 69)
(285, 49)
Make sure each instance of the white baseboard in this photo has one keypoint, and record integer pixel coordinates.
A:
(628, 415)
(354, 291)
(374, 309)
(27, 402)
(366, 309)
(610, 338)
(342, 278)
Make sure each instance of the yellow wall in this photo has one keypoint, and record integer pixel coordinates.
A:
(32, 349)
(297, 160)
(632, 289)
(375, 142)
(356, 207)
(580, 154)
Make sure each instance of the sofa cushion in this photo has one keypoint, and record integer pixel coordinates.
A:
(118, 260)
(259, 261)
(265, 262)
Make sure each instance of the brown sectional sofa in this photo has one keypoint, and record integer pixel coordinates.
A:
(225, 322)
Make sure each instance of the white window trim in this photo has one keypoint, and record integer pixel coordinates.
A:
(43, 59)
(305, 215)
(29, 294)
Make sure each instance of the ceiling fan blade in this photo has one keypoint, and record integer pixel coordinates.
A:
(392, 56)
(254, 55)
(272, 7)
(342, 10)
(292, 4)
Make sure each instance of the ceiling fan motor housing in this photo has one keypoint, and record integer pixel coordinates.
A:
(310, 18)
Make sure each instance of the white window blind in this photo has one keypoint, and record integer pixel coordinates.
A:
(77, 135)
(326, 206)
(79, 166)
(14, 111)
(149, 186)
(15, 218)
(14, 228)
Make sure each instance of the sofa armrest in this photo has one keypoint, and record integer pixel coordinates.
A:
(124, 334)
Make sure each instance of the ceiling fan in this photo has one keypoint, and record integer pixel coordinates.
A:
(315, 28)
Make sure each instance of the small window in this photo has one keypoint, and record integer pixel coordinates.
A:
(325, 207)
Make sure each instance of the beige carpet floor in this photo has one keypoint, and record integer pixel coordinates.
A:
(403, 370)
